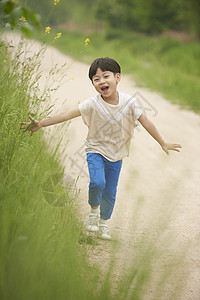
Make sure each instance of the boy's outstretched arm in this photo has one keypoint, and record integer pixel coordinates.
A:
(152, 130)
(35, 125)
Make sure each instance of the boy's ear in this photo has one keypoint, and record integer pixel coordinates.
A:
(118, 77)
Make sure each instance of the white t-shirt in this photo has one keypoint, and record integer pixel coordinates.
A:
(110, 127)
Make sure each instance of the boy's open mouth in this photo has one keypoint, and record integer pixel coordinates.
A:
(105, 88)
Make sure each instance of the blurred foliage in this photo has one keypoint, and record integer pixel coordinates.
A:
(148, 16)
(15, 15)
(64, 11)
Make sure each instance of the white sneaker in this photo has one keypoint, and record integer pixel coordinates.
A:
(104, 232)
(93, 222)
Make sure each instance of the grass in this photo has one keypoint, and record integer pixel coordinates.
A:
(162, 64)
(40, 254)
(43, 244)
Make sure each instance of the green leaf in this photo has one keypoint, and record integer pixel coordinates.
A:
(8, 7)
(11, 12)
(14, 16)
(17, 13)
(36, 21)
(31, 17)
(27, 30)
(3, 3)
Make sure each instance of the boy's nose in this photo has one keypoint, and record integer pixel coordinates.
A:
(102, 80)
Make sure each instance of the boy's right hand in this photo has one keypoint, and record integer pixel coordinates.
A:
(32, 126)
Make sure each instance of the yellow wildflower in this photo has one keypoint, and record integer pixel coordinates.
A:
(87, 41)
(47, 29)
(26, 73)
(23, 19)
(58, 35)
(56, 2)
(5, 61)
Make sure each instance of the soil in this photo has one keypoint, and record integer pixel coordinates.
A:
(158, 199)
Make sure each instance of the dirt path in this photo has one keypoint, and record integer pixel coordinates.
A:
(158, 196)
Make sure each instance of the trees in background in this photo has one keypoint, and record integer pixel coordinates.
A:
(151, 16)
(147, 16)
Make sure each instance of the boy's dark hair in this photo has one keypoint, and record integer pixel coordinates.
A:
(105, 64)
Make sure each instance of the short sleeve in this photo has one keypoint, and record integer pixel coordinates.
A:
(137, 109)
(85, 109)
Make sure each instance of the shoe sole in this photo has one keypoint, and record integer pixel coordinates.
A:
(92, 230)
(104, 238)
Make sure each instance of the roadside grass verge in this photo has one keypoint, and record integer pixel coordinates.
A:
(163, 64)
(40, 253)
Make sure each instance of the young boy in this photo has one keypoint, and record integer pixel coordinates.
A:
(111, 117)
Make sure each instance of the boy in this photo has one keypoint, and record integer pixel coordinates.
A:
(111, 117)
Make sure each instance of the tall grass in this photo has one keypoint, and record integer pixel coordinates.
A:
(42, 253)
(160, 63)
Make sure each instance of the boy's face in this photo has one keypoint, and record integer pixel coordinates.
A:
(105, 82)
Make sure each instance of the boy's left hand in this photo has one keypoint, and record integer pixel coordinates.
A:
(175, 147)
(32, 126)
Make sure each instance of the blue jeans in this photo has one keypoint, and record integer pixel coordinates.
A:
(104, 176)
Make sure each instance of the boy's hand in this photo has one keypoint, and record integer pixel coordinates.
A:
(32, 126)
(175, 147)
